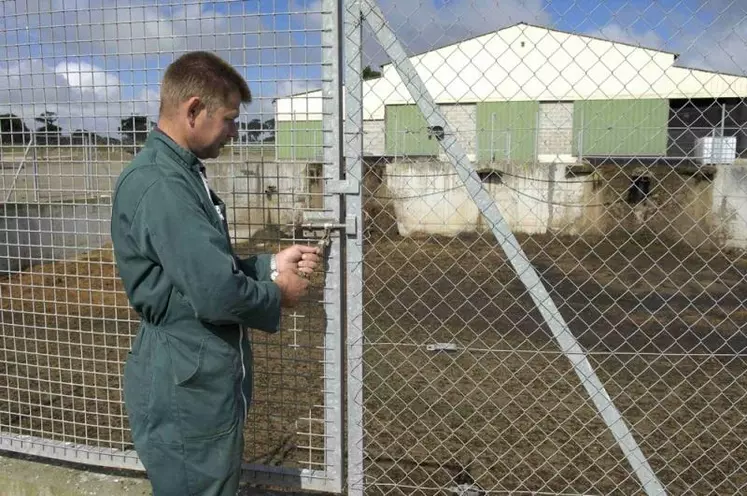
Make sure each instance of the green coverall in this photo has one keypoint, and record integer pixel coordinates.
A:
(188, 376)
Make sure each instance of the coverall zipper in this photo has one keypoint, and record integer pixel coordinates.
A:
(242, 331)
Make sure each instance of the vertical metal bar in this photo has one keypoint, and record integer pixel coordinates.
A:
(492, 137)
(524, 269)
(354, 244)
(333, 297)
(35, 164)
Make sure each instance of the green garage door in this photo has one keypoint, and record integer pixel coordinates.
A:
(620, 127)
(407, 132)
(299, 140)
(507, 130)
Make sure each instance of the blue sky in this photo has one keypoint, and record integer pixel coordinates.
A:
(97, 61)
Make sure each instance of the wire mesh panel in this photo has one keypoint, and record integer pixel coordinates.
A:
(552, 295)
(79, 86)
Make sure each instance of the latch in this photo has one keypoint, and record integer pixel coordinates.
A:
(321, 221)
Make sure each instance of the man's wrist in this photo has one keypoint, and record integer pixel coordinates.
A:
(273, 268)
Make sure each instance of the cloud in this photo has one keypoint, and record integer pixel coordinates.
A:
(615, 32)
(707, 35)
(106, 58)
(82, 95)
(424, 25)
(87, 82)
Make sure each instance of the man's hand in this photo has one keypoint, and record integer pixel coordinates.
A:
(298, 258)
(292, 287)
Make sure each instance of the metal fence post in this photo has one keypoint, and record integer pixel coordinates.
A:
(354, 244)
(332, 70)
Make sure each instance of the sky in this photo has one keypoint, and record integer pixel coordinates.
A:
(95, 62)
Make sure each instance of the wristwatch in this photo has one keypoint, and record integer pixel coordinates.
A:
(273, 268)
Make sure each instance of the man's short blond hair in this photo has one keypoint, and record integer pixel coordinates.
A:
(202, 74)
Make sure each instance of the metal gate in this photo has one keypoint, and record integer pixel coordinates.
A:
(73, 114)
(562, 317)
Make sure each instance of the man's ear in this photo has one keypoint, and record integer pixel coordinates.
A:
(194, 106)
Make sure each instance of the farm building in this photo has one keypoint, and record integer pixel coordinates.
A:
(535, 107)
(532, 94)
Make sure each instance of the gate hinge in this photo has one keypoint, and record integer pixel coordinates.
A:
(343, 187)
(320, 220)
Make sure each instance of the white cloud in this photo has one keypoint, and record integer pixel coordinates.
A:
(421, 26)
(711, 37)
(615, 32)
(87, 82)
(83, 96)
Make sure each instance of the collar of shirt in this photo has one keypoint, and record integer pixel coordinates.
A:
(180, 153)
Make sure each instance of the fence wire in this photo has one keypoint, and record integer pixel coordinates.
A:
(554, 198)
(536, 278)
(79, 89)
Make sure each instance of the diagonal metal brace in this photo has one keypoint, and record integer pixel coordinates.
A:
(564, 337)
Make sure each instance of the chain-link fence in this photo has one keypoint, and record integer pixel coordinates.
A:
(538, 216)
(555, 198)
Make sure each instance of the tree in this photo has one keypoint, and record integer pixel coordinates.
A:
(253, 130)
(13, 131)
(134, 129)
(269, 126)
(256, 131)
(49, 133)
(369, 73)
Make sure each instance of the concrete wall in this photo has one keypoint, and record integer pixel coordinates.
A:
(33, 233)
(261, 194)
(258, 195)
(430, 198)
(374, 137)
(730, 204)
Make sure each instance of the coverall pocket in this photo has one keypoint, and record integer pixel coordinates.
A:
(214, 465)
(205, 392)
(136, 389)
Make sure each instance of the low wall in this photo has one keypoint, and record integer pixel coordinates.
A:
(697, 206)
(33, 233)
(729, 205)
(257, 195)
(429, 197)
(262, 194)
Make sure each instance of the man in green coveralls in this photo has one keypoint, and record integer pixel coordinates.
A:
(188, 376)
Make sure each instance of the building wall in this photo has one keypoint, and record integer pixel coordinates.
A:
(374, 137)
(299, 140)
(507, 131)
(407, 132)
(620, 128)
(556, 128)
(533, 63)
(463, 121)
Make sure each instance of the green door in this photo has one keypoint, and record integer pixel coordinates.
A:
(407, 132)
(507, 131)
(299, 140)
(620, 128)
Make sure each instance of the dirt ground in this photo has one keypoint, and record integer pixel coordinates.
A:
(664, 328)
(662, 322)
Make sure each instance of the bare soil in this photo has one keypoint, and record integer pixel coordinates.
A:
(663, 324)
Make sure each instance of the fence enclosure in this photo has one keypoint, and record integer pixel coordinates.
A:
(537, 239)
